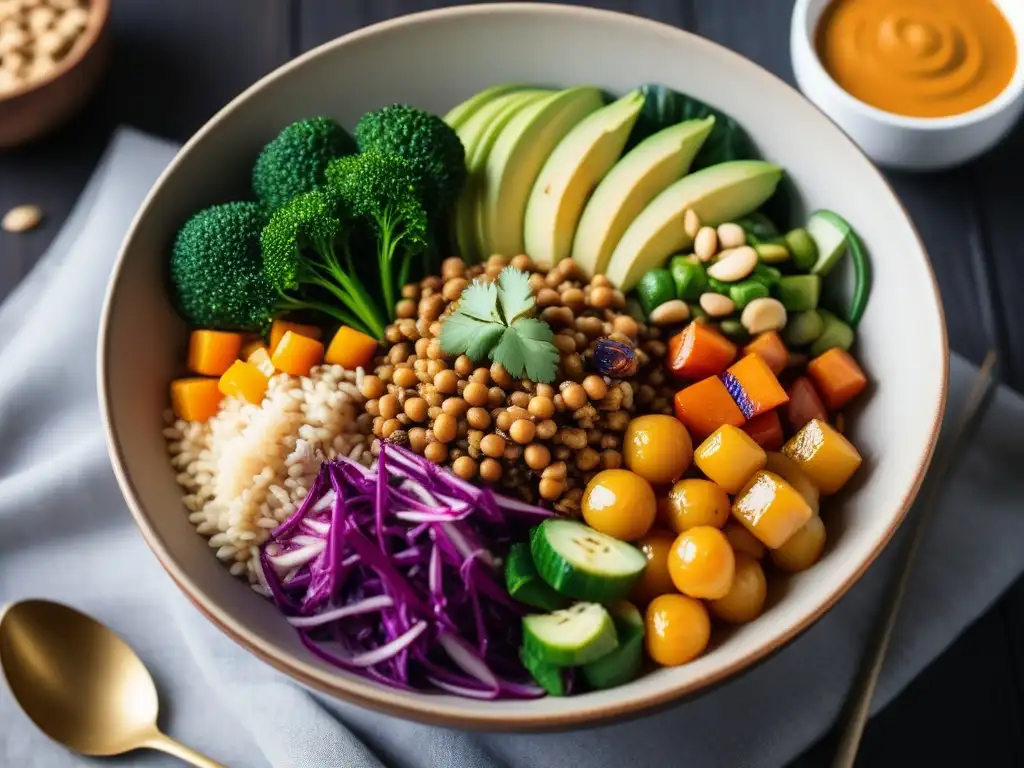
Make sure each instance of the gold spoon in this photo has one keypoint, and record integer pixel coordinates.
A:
(81, 683)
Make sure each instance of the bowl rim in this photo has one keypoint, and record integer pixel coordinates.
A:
(430, 709)
(99, 14)
(802, 31)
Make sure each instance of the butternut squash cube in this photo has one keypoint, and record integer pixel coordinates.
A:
(244, 380)
(729, 457)
(351, 349)
(771, 509)
(195, 399)
(296, 354)
(210, 353)
(250, 346)
(824, 455)
(260, 357)
(280, 327)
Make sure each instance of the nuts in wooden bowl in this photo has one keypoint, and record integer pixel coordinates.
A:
(35, 37)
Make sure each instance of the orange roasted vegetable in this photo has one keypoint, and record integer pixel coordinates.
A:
(698, 351)
(766, 430)
(260, 357)
(729, 457)
(296, 354)
(753, 386)
(351, 349)
(210, 353)
(771, 509)
(244, 380)
(837, 376)
(195, 399)
(250, 346)
(281, 327)
(825, 456)
(769, 345)
(804, 404)
(705, 406)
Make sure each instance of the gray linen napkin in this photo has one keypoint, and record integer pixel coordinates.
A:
(66, 534)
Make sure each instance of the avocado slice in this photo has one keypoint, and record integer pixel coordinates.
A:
(641, 174)
(516, 159)
(570, 175)
(478, 135)
(460, 113)
(717, 194)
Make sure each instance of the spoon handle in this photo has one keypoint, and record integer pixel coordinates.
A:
(165, 743)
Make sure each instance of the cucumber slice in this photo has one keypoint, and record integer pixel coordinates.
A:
(549, 677)
(799, 293)
(525, 584)
(571, 637)
(802, 248)
(828, 232)
(803, 328)
(582, 563)
(834, 333)
(624, 663)
(654, 289)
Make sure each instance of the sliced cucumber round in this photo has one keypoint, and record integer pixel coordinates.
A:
(571, 637)
(582, 563)
(624, 663)
(524, 583)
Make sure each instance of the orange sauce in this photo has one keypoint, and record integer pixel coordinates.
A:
(920, 58)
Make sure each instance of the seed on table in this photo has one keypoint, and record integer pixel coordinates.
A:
(671, 312)
(537, 456)
(691, 223)
(478, 418)
(595, 387)
(731, 235)
(446, 428)
(373, 387)
(465, 467)
(706, 244)
(734, 264)
(762, 315)
(436, 452)
(475, 394)
(546, 429)
(455, 406)
(490, 470)
(717, 305)
(600, 296)
(523, 431)
(547, 297)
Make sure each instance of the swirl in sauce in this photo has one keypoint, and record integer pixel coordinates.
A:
(920, 58)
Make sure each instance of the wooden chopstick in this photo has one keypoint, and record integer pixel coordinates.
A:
(859, 703)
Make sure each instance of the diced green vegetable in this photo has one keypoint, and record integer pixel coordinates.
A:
(758, 228)
(802, 328)
(654, 289)
(624, 663)
(717, 286)
(767, 276)
(690, 279)
(571, 637)
(799, 293)
(772, 253)
(696, 311)
(829, 234)
(744, 292)
(547, 676)
(525, 584)
(835, 333)
(583, 563)
(802, 249)
(733, 330)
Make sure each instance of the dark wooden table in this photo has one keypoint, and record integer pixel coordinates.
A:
(177, 61)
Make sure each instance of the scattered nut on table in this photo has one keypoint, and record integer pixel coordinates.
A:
(22, 218)
(35, 35)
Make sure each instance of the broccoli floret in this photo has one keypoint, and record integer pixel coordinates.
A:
(426, 141)
(296, 160)
(382, 191)
(304, 246)
(216, 270)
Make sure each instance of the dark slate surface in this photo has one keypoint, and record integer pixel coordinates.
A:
(177, 62)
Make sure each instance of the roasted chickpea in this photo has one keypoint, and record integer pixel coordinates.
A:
(619, 503)
(453, 288)
(436, 452)
(658, 448)
(495, 397)
(445, 428)
(574, 396)
(389, 426)
(541, 407)
(544, 390)
(574, 299)
(522, 431)
(611, 459)
(500, 376)
(550, 488)
(678, 629)
(373, 387)
(478, 418)
(446, 381)
(546, 429)
(455, 406)
(745, 599)
(572, 366)
(493, 446)
(465, 467)
(411, 291)
(416, 408)
(600, 297)
(388, 406)
(490, 470)
(702, 563)
(537, 456)
(547, 297)
(417, 439)
(655, 579)
(405, 377)
(405, 308)
(587, 459)
(522, 262)
(595, 387)
(519, 399)
(695, 501)
(475, 394)
(481, 376)
(626, 325)
(451, 267)
(802, 549)
(463, 365)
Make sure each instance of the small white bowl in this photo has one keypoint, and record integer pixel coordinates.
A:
(896, 141)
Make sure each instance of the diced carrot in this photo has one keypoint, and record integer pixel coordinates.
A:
(296, 354)
(212, 352)
(698, 351)
(824, 455)
(244, 380)
(351, 349)
(753, 386)
(766, 430)
(705, 406)
(770, 346)
(804, 404)
(837, 376)
(261, 359)
(195, 399)
(250, 346)
(281, 327)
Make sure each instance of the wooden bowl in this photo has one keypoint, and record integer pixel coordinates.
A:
(41, 105)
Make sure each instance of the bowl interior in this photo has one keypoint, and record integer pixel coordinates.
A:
(434, 61)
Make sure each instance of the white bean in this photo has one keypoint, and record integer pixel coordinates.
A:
(734, 264)
(691, 223)
(717, 305)
(731, 235)
(762, 315)
(670, 313)
(706, 243)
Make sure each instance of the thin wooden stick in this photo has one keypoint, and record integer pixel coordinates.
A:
(864, 688)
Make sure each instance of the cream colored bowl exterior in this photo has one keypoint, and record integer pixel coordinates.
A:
(894, 141)
(435, 60)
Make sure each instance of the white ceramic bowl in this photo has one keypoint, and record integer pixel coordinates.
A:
(435, 60)
(895, 141)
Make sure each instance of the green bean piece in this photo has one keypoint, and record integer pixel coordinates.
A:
(861, 278)
(802, 328)
(802, 248)
(654, 289)
(689, 277)
(733, 330)
(717, 286)
(767, 276)
(799, 293)
(835, 333)
(744, 292)
(772, 253)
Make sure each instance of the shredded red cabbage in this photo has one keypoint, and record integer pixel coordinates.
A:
(394, 573)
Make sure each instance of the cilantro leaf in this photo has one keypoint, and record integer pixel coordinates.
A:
(511, 353)
(465, 335)
(480, 300)
(542, 356)
(515, 294)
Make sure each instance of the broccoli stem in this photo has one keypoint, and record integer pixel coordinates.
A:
(287, 304)
(349, 291)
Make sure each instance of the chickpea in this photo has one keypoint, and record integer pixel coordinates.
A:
(378, 422)
(564, 343)
(465, 467)
(544, 390)
(475, 394)
(431, 281)
(445, 428)
(551, 489)
(490, 470)
(406, 308)
(388, 406)
(373, 387)
(373, 407)
(574, 299)
(558, 317)
(618, 299)
(519, 399)
(453, 288)
(411, 291)
(537, 282)
(430, 308)
(626, 325)
(610, 459)
(434, 367)
(587, 459)
(522, 431)
(500, 376)
(590, 327)
(393, 334)
(541, 407)
(478, 418)
(446, 381)
(434, 398)
(546, 429)
(409, 329)
(574, 396)
(617, 421)
(572, 366)
(595, 387)
(434, 351)
(434, 411)
(436, 452)
(451, 267)
(493, 446)
(574, 439)
(600, 281)
(570, 269)
(463, 430)
(600, 297)
(495, 397)
(416, 408)
(454, 406)
(546, 297)
(556, 471)
(522, 262)
(513, 452)
(405, 377)
(582, 340)
(463, 365)
(503, 421)
(389, 426)
(417, 439)
(537, 456)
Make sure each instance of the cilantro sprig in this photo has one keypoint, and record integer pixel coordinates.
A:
(495, 321)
